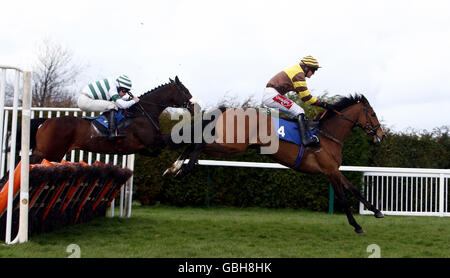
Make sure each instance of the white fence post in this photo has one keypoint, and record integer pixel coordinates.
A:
(25, 158)
(129, 187)
(2, 114)
(441, 195)
(12, 159)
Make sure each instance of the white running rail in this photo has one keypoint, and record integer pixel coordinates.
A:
(395, 191)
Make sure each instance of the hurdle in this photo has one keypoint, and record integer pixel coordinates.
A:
(63, 194)
(9, 127)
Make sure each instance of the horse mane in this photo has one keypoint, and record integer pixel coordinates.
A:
(341, 104)
(133, 108)
(155, 89)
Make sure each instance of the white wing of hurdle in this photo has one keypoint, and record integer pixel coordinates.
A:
(7, 162)
(25, 145)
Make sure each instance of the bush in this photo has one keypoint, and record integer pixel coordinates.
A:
(414, 150)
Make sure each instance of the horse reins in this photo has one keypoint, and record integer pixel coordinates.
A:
(146, 114)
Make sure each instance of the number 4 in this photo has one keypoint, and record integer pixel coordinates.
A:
(281, 131)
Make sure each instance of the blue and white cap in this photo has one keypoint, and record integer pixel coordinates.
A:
(124, 82)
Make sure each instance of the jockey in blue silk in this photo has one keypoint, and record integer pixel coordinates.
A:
(107, 95)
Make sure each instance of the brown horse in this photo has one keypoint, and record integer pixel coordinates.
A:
(334, 127)
(57, 136)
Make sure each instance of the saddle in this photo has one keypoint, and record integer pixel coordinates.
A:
(101, 123)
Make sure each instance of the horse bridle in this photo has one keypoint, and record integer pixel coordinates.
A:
(180, 88)
(368, 128)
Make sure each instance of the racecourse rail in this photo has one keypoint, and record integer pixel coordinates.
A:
(395, 191)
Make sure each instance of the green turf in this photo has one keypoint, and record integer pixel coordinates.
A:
(171, 232)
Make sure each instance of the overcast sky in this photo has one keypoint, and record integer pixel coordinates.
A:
(396, 53)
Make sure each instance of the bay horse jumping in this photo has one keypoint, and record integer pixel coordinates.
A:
(57, 136)
(334, 127)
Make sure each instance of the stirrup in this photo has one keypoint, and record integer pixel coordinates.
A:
(114, 137)
(313, 140)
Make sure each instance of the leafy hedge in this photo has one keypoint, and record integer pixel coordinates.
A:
(414, 150)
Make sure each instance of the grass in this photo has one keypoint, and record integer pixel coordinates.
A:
(171, 232)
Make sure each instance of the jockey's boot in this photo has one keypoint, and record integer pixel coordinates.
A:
(313, 141)
(112, 136)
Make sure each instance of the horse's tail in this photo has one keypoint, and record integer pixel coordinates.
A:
(209, 117)
(34, 126)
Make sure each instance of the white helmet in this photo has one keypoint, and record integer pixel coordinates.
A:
(124, 81)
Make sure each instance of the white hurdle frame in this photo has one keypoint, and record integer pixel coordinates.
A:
(22, 235)
(126, 192)
(433, 199)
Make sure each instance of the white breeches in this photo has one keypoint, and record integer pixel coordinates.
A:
(273, 99)
(88, 104)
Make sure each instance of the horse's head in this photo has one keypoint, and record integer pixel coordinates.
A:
(181, 95)
(357, 110)
(368, 121)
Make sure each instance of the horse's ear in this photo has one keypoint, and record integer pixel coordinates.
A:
(177, 79)
(364, 99)
(170, 79)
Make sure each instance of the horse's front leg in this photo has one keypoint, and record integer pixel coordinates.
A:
(357, 194)
(338, 186)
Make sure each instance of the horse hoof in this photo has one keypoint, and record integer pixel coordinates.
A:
(179, 174)
(360, 231)
(379, 215)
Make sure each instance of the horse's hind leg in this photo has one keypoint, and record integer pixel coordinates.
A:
(337, 183)
(34, 159)
(193, 159)
(180, 161)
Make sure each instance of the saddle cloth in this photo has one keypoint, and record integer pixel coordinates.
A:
(288, 131)
(101, 122)
(119, 116)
